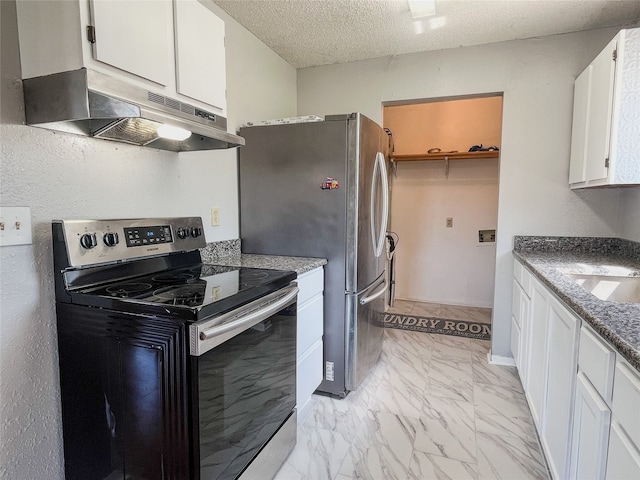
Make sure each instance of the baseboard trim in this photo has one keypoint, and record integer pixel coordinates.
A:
(498, 360)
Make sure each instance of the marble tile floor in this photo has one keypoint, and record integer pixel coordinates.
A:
(433, 408)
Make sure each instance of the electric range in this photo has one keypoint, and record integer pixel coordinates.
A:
(169, 367)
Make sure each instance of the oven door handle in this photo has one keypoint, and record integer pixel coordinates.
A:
(248, 316)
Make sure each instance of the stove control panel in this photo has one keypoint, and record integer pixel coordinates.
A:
(92, 242)
(150, 235)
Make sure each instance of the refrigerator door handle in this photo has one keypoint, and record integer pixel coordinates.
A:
(370, 298)
(378, 239)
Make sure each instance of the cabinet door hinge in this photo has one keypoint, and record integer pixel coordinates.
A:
(91, 33)
(606, 162)
(615, 55)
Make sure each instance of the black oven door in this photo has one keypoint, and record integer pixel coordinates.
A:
(243, 382)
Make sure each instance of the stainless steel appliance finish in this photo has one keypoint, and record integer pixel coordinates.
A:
(321, 189)
(91, 242)
(93, 104)
(170, 368)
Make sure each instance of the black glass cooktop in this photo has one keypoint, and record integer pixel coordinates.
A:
(192, 292)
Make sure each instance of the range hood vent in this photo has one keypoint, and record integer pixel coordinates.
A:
(89, 103)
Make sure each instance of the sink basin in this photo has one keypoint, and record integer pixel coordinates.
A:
(609, 287)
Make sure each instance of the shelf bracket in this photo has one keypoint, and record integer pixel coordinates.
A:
(446, 166)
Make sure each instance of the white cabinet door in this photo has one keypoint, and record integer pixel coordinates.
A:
(626, 399)
(537, 347)
(200, 54)
(135, 36)
(581, 93)
(562, 358)
(521, 306)
(309, 342)
(604, 145)
(623, 462)
(516, 339)
(600, 111)
(591, 421)
(522, 362)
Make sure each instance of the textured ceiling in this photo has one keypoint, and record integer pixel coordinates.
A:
(319, 32)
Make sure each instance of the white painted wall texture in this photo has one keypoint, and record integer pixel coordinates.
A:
(432, 261)
(65, 176)
(537, 78)
(432, 264)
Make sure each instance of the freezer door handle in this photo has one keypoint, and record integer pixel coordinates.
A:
(371, 297)
(379, 238)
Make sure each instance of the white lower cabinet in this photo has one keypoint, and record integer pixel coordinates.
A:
(536, 378)
(309, 339)
(562, 358)
(583, 395)
(623, 462)
(592, 408)
(591, 421)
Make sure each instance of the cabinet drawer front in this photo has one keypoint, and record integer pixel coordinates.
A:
(626, 400)
(597, 360)
(623, 460)
(516, 300)
(310, 324)
(309, 373)
(523, 277)
(310, 284)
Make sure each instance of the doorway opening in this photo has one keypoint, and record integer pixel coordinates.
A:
(444, 201)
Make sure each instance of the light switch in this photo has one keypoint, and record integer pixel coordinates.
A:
(15, 226)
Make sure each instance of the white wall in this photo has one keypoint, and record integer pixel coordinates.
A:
(536, 77)
(630, 223)
(432, 261)
(64, 176)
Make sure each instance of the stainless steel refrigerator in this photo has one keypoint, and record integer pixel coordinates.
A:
(321, 189)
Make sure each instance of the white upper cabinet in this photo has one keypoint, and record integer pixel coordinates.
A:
(132, 45)
(170, 47)
(605, 146)
(200, 54)
(582, 89)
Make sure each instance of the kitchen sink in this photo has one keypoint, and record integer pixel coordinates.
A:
(612, 288)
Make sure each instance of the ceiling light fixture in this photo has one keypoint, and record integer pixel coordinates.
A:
(422, 8)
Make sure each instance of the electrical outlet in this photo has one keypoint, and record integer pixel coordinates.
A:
(215, 216)
(449, 222)
(15, 226)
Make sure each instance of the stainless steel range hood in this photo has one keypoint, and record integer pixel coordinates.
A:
(89, 103)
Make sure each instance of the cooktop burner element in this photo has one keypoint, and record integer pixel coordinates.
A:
(190, 295)
(192, 291)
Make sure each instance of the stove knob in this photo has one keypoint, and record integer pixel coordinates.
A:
(182, 233)
(195, 232)
(111, 239)
(88, 241)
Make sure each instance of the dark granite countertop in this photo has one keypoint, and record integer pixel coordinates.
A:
(551, 258)
(227, 253)
(299, 265)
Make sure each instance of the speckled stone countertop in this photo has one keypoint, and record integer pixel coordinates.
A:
(299, 265)
(550, 258)
(227, 253)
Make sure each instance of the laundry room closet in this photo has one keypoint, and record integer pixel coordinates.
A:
(444, 202)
